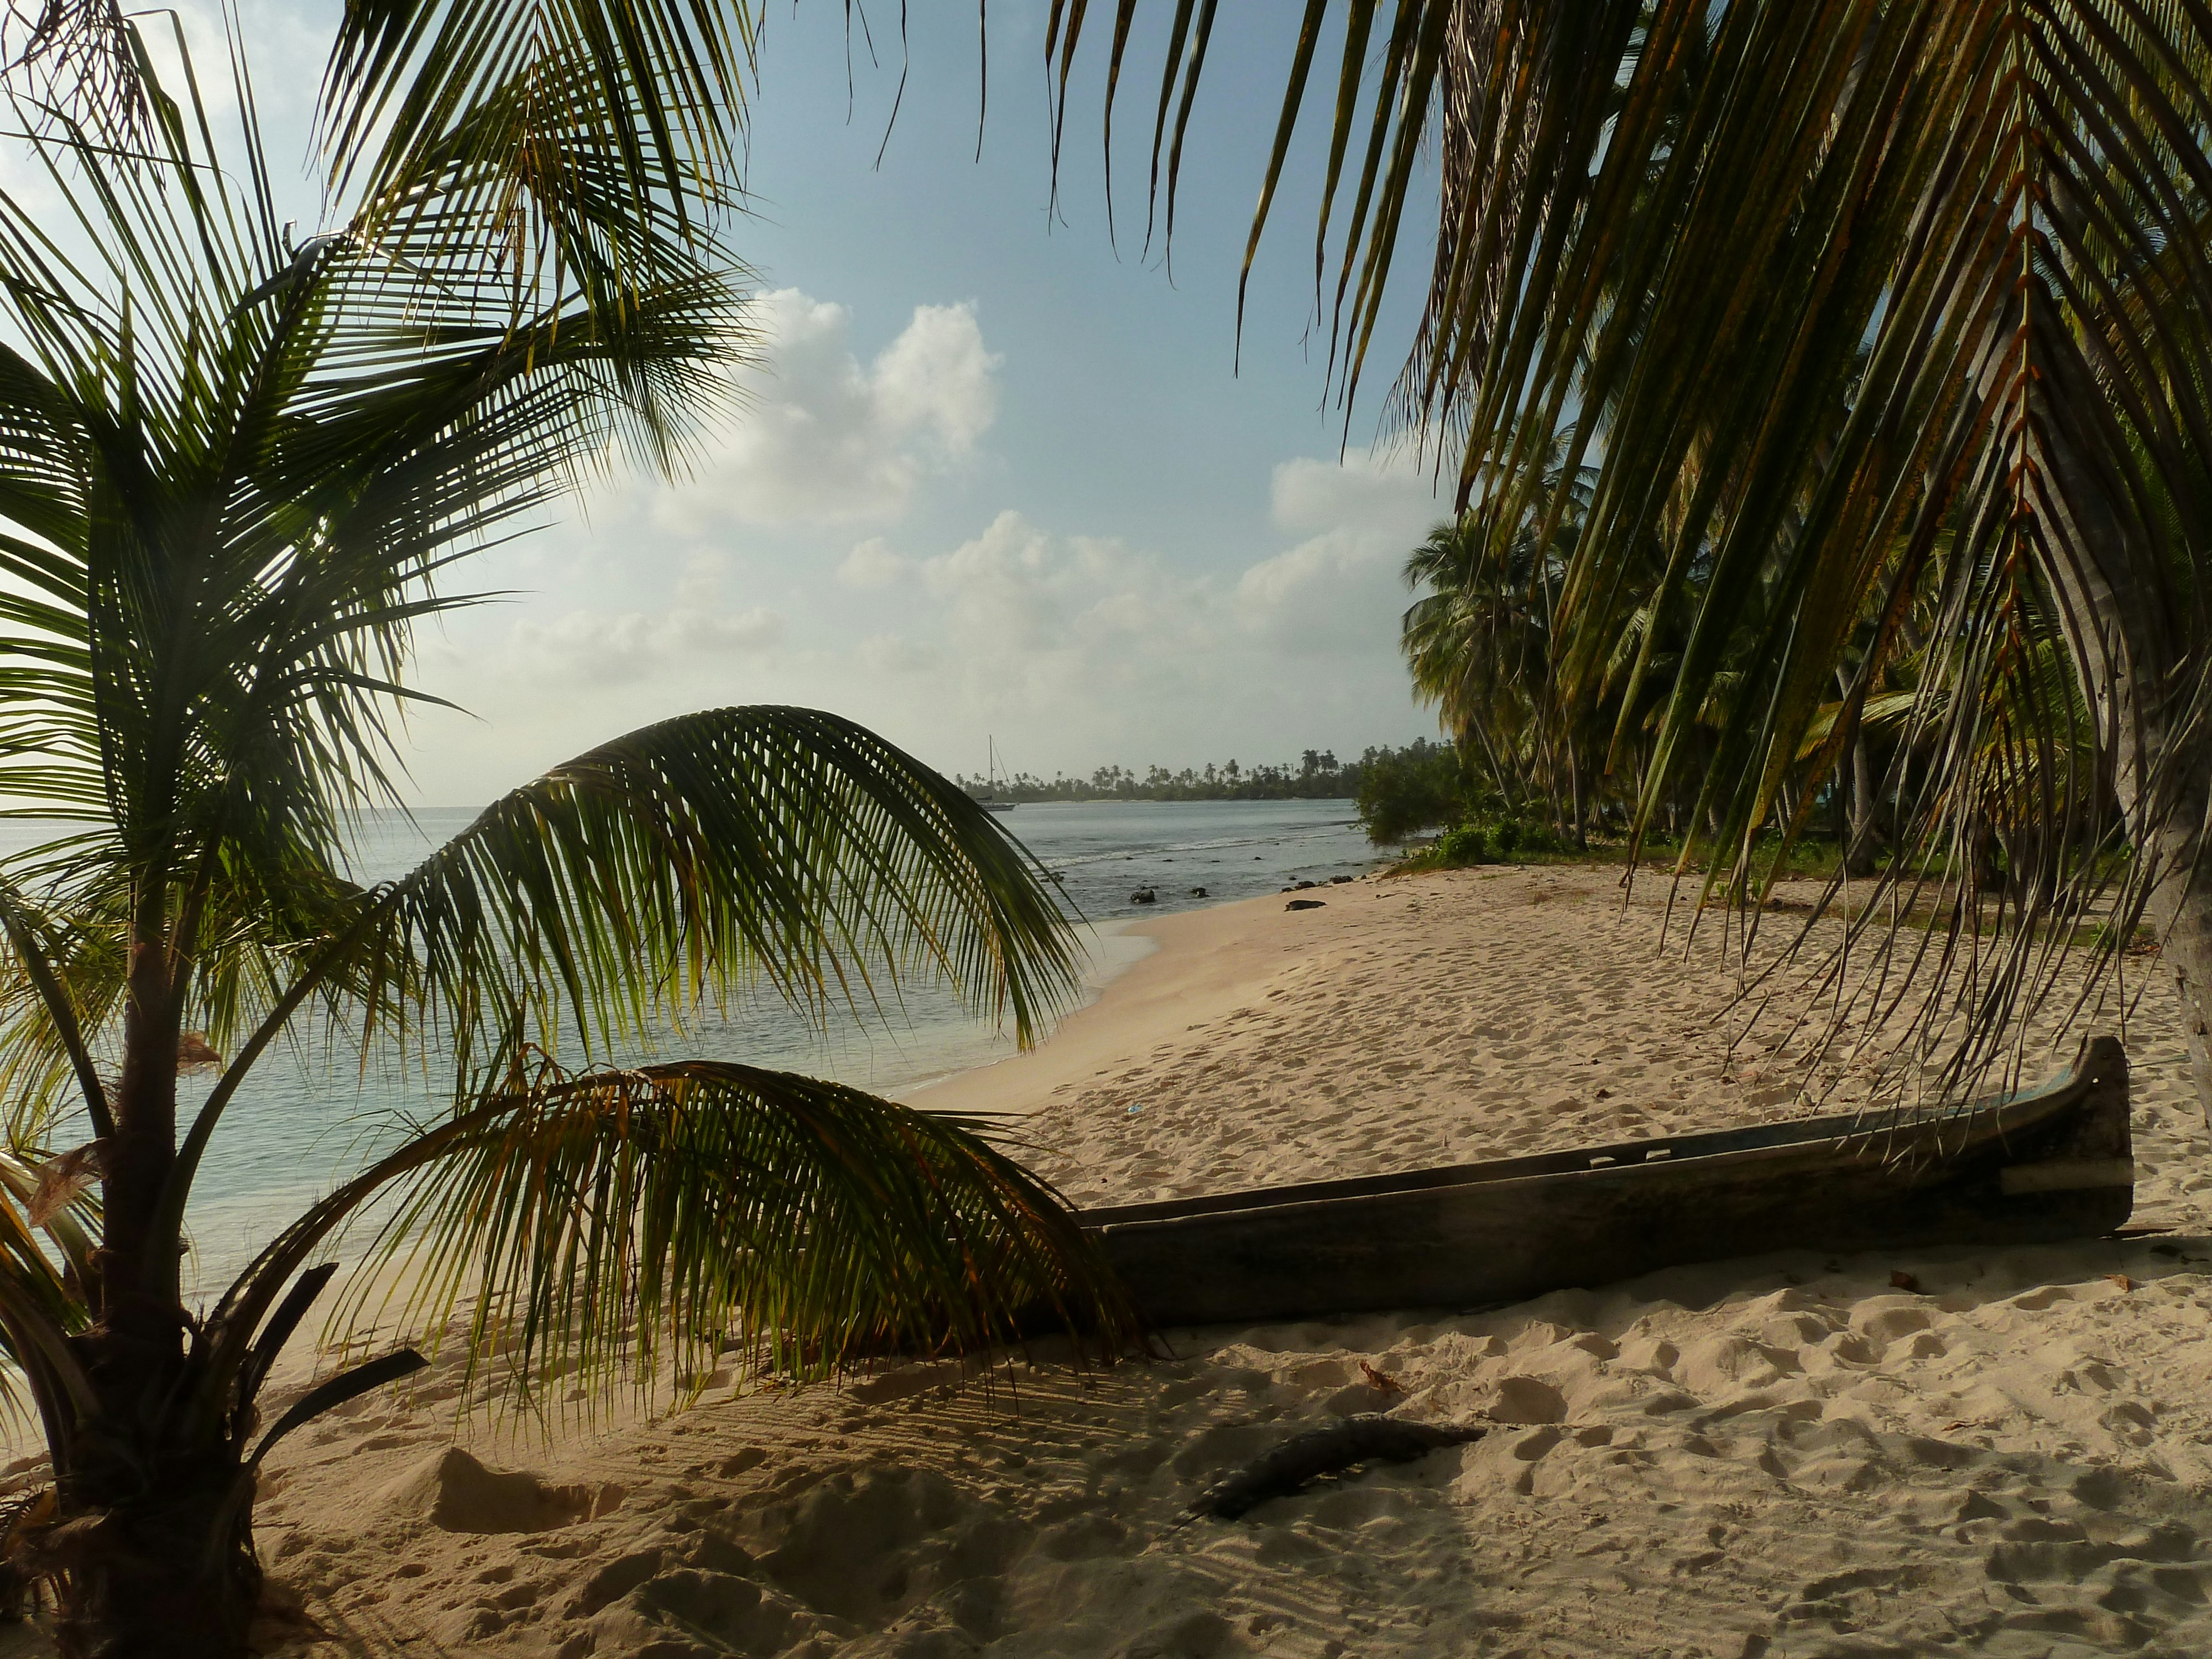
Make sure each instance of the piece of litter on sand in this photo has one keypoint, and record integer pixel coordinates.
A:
(1133, 1110)
(2122, 1280)
(1381, 1381)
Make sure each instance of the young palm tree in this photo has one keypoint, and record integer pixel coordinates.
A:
(1819, 290)
(235, 470)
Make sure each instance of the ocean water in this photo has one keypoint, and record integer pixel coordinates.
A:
(310, 1113)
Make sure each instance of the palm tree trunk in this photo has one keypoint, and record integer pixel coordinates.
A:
(156, 1547)
(134, 1298)
(2182, 913)
(152, 1538)
(1856, 831)
(1859, 845)
(1575, 782)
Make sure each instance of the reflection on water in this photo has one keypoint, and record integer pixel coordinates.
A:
(312, 1112)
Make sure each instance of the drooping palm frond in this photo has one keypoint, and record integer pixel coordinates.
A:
(1955, 187)
(702, 853)
(603, 1225)
(688, 862)
(1820, 290)
(49, 1218)
(79, 55)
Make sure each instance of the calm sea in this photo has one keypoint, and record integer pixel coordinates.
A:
(308, 1115)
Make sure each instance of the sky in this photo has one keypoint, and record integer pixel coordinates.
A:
(998, 476)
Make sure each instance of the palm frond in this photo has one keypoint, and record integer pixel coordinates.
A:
(615, 1225)
(599, 140)
(326, 426)
(607, 903)
(706, 852)
(1858, 311)
(77, 55)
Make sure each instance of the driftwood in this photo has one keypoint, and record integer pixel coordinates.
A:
(1369, 1438)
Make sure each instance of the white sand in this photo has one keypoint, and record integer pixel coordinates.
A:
(1784, 1456)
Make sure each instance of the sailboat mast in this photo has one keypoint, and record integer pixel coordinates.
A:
(991, 778)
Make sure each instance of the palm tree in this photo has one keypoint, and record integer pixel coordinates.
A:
(1468, 641)
(236, 471)
(1821, 289)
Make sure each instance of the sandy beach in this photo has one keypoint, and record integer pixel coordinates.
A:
(1784, 1456)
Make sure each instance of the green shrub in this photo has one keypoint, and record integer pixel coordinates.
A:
(1404, 791)
(1460, 846)
(1537, 836)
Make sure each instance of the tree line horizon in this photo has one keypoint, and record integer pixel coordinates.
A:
(1317, 775)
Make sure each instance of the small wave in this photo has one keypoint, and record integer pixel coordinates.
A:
(1125, 850)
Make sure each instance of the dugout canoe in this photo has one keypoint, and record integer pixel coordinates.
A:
(2048, 1163)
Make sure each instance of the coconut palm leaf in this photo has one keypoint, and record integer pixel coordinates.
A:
(237, 469)
(608, 1223)
(609, 901)
(384, 404)
(599, 138)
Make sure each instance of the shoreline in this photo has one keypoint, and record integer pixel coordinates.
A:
(1135, 998)
(2008, 1450)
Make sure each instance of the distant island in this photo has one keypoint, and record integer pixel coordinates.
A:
(1317, 775)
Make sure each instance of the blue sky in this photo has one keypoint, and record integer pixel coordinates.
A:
(997, 477)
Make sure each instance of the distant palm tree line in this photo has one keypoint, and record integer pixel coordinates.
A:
(1478, 639)
(1318, 775)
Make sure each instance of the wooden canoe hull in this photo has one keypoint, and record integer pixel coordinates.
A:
(2052, 1163)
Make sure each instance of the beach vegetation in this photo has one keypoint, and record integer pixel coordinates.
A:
(1423, 786)
(1466, 844)
(239, 469)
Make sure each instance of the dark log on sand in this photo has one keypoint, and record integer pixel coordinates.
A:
(1369, 1438)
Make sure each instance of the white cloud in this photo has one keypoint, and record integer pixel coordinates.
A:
(872, 563)
(1387, 491)
(1017, 592)
(828, 440)
(1310, 597)
(936, 378)
(1072, 650)
(890, 654)
(1060, 642)
(593, 649)
(700, 582)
